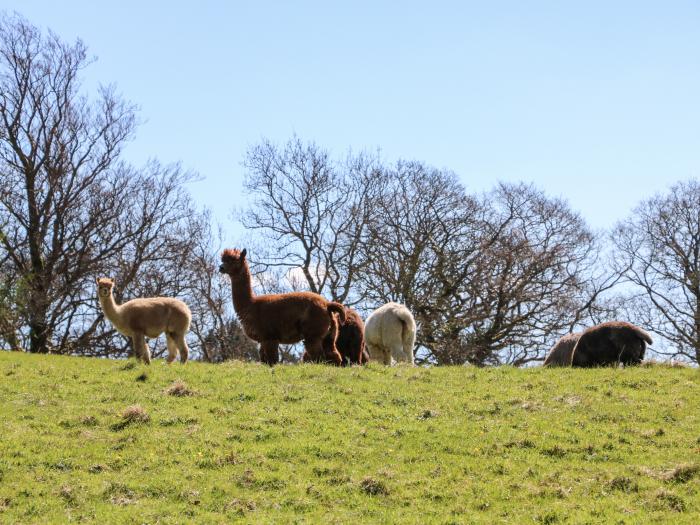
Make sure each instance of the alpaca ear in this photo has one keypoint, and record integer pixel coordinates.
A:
(243, 253)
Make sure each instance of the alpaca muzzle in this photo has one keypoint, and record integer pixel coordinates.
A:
(222, 269)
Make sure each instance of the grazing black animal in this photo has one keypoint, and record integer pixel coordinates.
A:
(610, 343)
(351, 339)
(561, 352)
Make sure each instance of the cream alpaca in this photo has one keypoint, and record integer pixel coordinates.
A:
(149, 317)
(390, 332)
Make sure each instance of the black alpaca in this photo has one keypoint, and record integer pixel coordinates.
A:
(610, 343)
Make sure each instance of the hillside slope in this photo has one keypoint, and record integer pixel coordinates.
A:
(316, 444)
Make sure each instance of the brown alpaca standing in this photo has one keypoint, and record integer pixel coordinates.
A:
(281, 318)
(350, 340)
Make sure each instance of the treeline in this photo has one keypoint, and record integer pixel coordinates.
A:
(491, 278)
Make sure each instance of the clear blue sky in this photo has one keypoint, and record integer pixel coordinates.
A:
(595, 101)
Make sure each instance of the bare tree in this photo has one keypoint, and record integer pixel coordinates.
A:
(658, 248)
(10, 316)
(312, 210)
(490, 280)
(219, 336)
(418, 251)
(539, 276)
(69, 208)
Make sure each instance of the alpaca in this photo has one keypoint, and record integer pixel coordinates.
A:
(350, 339)
(328, 343)
(149, 317)
(281, 318)
(390, 332)
(610, 343)
(560, 354)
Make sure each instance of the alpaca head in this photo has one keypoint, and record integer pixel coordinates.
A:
(104, 287)
(233, 262)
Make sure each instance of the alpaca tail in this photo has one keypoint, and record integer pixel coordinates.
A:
(337, 308)
(408, 333)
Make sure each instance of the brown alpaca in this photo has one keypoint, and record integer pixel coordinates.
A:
(149, 317)
(560, 354)
(350, 340)
(281, 318)
(610, 343)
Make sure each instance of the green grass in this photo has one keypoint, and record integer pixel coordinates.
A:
(315, 444)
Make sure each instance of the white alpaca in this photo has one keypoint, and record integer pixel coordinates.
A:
(390, 332)
(141, 318)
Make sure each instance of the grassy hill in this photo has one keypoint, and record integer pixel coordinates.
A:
(315, 444)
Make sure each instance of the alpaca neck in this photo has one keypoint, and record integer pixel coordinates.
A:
(242, 290)
(110, 309)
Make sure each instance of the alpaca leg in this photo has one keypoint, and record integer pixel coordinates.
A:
(269, 352)
(141, 348)
(182, 347)
(329, 346)
(314, 347)
(364, 355)
(382, 354)
(386, 356)
(172, 347)
(408, 353)
(398, 354)
(332, 356)
(377, 353)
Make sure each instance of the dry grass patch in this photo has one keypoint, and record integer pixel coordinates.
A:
(651, 363)
(624, 484)
(88, 421)
(179, 389)
(132, 415)
(681, 474)
(240, 506)
(666, 500)
(374, 487)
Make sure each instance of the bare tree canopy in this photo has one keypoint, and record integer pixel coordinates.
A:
(70, 209)
(491, 279)
(313, 210)
(658, 248)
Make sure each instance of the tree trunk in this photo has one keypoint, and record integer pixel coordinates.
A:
(38, 333)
